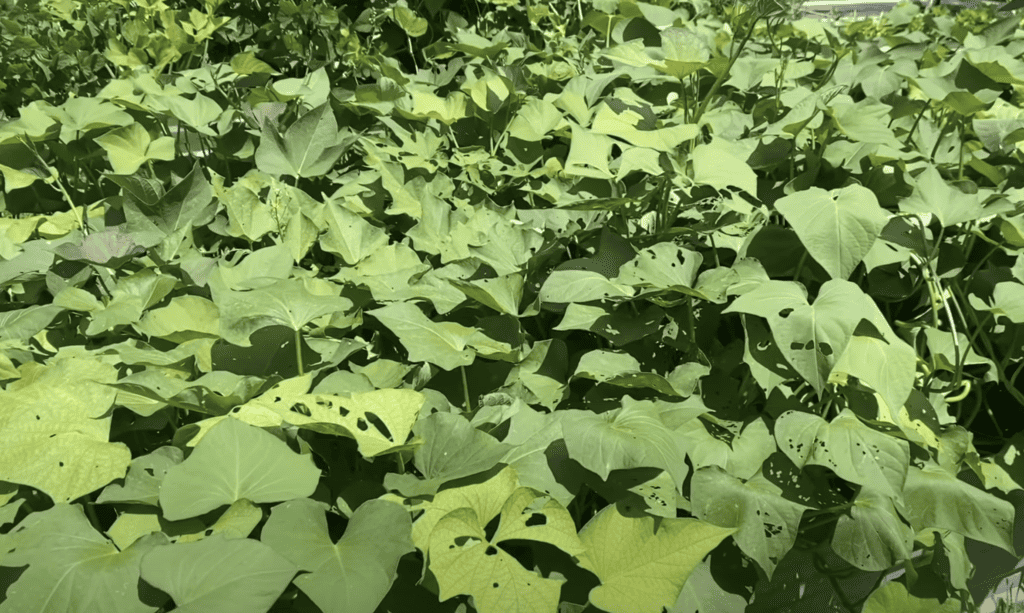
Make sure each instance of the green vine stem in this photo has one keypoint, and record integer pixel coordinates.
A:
(836, 509)
(298, 352)
(937, 294)
(825, 517)
(963, 394)
(691, 327)
(972, 337)
(800, 265)
(974, 410)
(833, 574)
(799, 389)
(827, 402)
(1013, 379)
(779, 76)
(920, 557)
(924, 107)
(172, 418)
(465, 390)
(725, 73)
(55, 179)
(664, 218)
(107, 283)
(818, 84)
(946, 125)
(999, 371)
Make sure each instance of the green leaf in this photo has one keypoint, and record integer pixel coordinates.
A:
(874, 538)
(219, 572)
(630, 437)
(309, 148)
(396, 409)
(314, 89)
(235, 461)
(846, 446)
(588, 154)
(285, 302)
(684, 53)
(490, 92)
(22, 324)
(197, 113)
(453, 449)
(765, 523)
(631, 53)
(452, 529)
(246, 64)
(621, 369)
(837, 227)
(720, 165)
(359, 569)
(414, 25)
(933, 195)
(17, 179)
(703, 594)
(426, 105)
(52, 436)
(889, 368)
(444, 343)
(935, 498)
(111, 248)
(894, 596)
(142, 483)
(79, 115)
(643, 569)
(811, 337)
(1007, 300)
(70, 562)
(564, 286)
(606, 121)
(130, 147)
(164, 224)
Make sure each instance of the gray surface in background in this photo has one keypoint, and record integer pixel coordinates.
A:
(821, 8)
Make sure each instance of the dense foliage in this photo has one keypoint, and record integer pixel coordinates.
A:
(591, 305)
